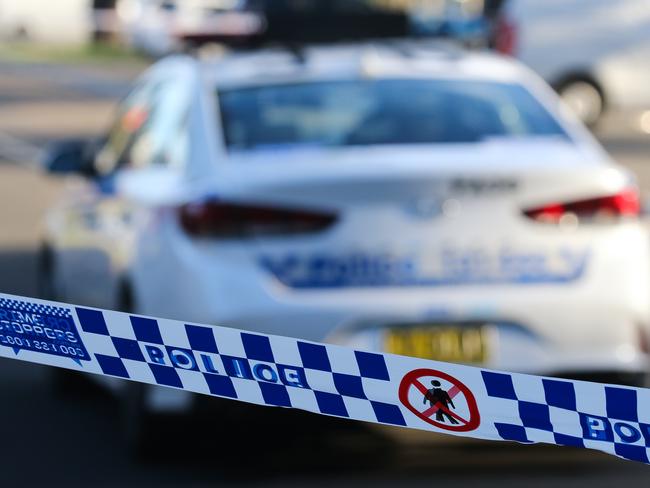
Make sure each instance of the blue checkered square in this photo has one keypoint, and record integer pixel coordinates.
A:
(510, 432)
(275, 394)
(331, 404)
(633, 453)
(372, 365)
(128, 349)
(220, 385)
(349, 385)
(201, 338)
(257, 347)
(499, 385)
(535, 415)
(568, 440)
(146, 330)
(166, 375)
(112, 366)
(314, 356)
(621, 404)
(560, 394)
(92, 321)
(388, 414)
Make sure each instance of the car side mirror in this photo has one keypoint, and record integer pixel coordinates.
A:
(72, 156)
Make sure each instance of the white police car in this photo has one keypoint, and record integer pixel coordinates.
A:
(395, 197)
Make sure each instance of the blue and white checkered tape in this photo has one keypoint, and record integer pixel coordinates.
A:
(329, 379)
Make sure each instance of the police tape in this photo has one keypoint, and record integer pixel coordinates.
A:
(329, 379)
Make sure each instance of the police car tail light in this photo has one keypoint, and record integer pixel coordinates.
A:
(215, 218)
(611, 207)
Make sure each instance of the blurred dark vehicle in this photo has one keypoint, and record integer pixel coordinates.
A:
(158, 27)
(290, 21)
(593, 52)
(471, 22)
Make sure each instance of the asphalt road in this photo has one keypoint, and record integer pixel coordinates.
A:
(47, 438)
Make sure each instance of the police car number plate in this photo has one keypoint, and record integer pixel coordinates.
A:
(448, 343)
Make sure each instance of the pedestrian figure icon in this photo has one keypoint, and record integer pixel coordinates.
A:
(436, 396)
(448, 405)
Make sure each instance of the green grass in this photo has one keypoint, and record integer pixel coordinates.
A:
(99, 53)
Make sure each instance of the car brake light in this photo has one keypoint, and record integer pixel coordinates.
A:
(505, 38)
(214, 218)
(623, 204)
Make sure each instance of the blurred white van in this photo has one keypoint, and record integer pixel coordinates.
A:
(596, 53)
(52, 22)
(158, 27)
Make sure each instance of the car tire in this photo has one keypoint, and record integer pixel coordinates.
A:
(66, 383)
(135, 420)
(145, 432)
(139, 425)
(585, 99)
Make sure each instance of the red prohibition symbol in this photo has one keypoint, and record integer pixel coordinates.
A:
(445, 417)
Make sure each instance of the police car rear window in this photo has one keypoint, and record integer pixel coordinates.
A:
(381, 112)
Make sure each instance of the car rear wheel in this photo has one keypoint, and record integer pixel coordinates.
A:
(585, 99)
(138, 423)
